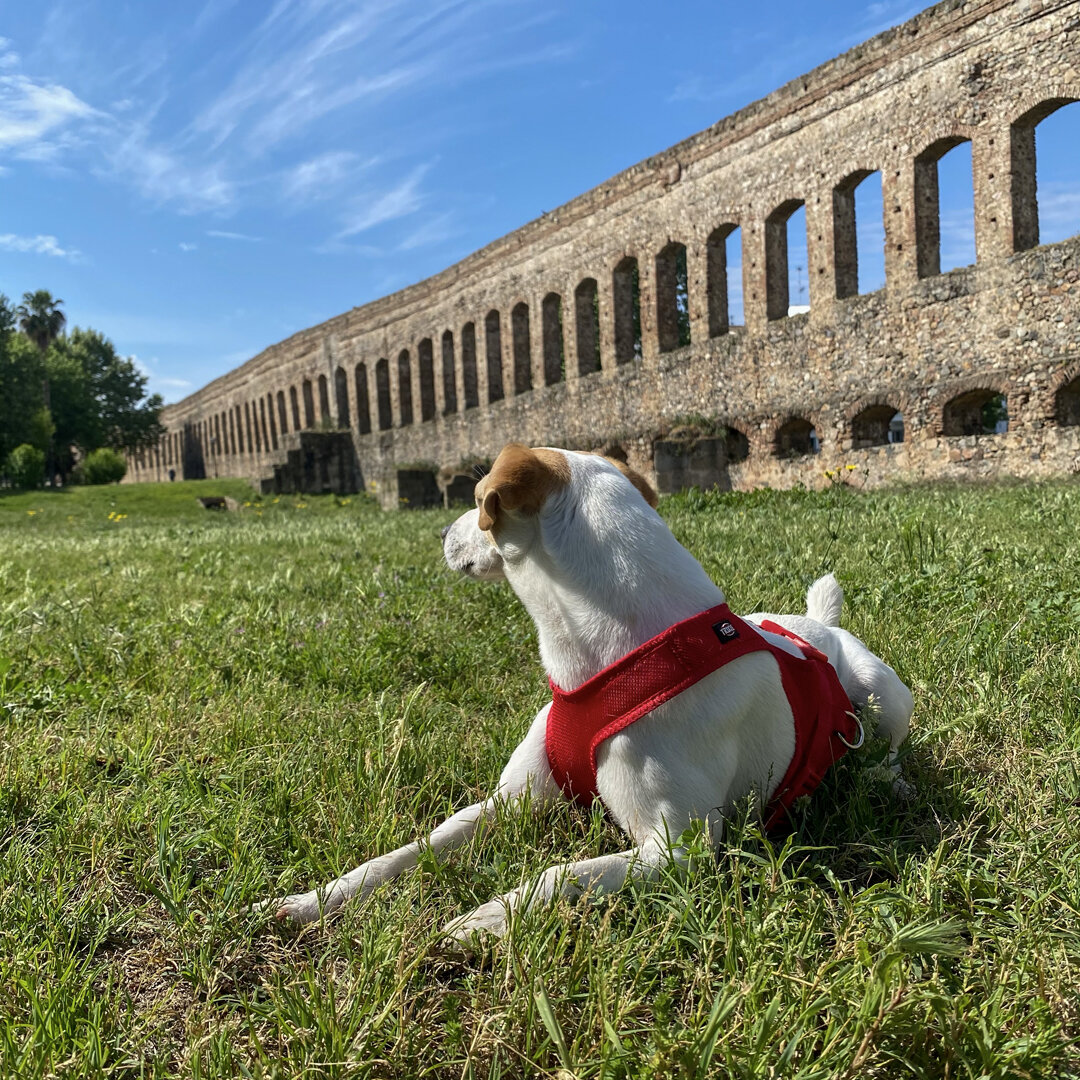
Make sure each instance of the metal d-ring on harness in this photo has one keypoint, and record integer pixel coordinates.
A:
(862, 734)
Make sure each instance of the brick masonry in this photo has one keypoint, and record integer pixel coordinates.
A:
(545, 337)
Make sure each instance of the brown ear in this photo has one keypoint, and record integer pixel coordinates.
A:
(636, 479)
(520, 481)
(488, 505)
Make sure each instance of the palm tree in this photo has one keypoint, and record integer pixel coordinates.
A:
(42, 321)
(40, 318)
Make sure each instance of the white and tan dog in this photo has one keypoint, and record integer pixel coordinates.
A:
(578, 539)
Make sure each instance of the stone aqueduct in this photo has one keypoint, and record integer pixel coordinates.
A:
(605, 323)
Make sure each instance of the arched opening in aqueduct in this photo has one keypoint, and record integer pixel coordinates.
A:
(1045, 203)
(877, 425)
(449, 374)
(552, 339)
(982, 411)
(795, 438)
(1067, 404)
(944, 238)
(341, 393)
(672, 297)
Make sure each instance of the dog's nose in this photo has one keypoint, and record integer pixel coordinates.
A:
(443, 531)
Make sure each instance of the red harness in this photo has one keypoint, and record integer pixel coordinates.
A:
(671, 662)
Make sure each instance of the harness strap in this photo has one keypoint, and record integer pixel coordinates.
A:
(580, 719)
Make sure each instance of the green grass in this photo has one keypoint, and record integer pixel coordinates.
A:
(198, 710)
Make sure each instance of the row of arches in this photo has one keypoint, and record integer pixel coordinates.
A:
(522, 378)
(786, 292)
(943, 198)
(570, 336)
(253, 427)
(979, 411)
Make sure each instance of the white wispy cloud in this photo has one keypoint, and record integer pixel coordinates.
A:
(881, 16)
(299, 69)
(45, 122)
(184, 246)
(210, 13)
(319, 177)
(400, 201)
(697, 88)
(38, 245)
(335, 246)
(299, 110)
(32, 111)
(957, 237)
(222, 234)
(777, 64)
(156, 382)
(435, 231)
(162, 176)
(264, 119)
(1059, 211)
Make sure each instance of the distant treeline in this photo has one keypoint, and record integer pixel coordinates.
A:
(67, 394)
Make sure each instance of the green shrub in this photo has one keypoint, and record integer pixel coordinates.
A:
(103, 466)
(26, 466)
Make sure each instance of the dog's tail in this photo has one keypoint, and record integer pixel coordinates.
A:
(824, 599)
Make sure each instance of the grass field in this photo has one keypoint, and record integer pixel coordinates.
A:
(199, 710)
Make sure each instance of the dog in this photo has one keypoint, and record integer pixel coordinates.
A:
(578, 538)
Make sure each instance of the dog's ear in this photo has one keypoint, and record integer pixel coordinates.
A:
(635, 478)
(520, 482)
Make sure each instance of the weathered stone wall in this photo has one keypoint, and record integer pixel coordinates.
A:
(535, 338)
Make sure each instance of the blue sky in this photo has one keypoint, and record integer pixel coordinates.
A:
(200, 180)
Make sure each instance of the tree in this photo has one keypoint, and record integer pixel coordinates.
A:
(22, 375)
(7, 316)
(68, 393)
(42, 429)
(26, 466)
(103, 466)
(42, 321)
(99, 396)
(40, 318)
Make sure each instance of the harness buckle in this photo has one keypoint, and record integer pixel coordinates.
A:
(861, 738)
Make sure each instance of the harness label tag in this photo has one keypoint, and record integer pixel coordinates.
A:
(725, 631)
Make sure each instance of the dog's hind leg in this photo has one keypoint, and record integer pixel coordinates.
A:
(527, 772)
(570, 880)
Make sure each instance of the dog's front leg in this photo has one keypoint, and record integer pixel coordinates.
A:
(570, 880)
(526, 772)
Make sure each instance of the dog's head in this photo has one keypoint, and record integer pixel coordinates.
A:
(533, 499)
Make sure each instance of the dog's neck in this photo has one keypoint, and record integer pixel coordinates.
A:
(590, 612)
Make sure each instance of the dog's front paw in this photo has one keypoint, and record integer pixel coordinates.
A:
(298, 909)
(489, 920)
